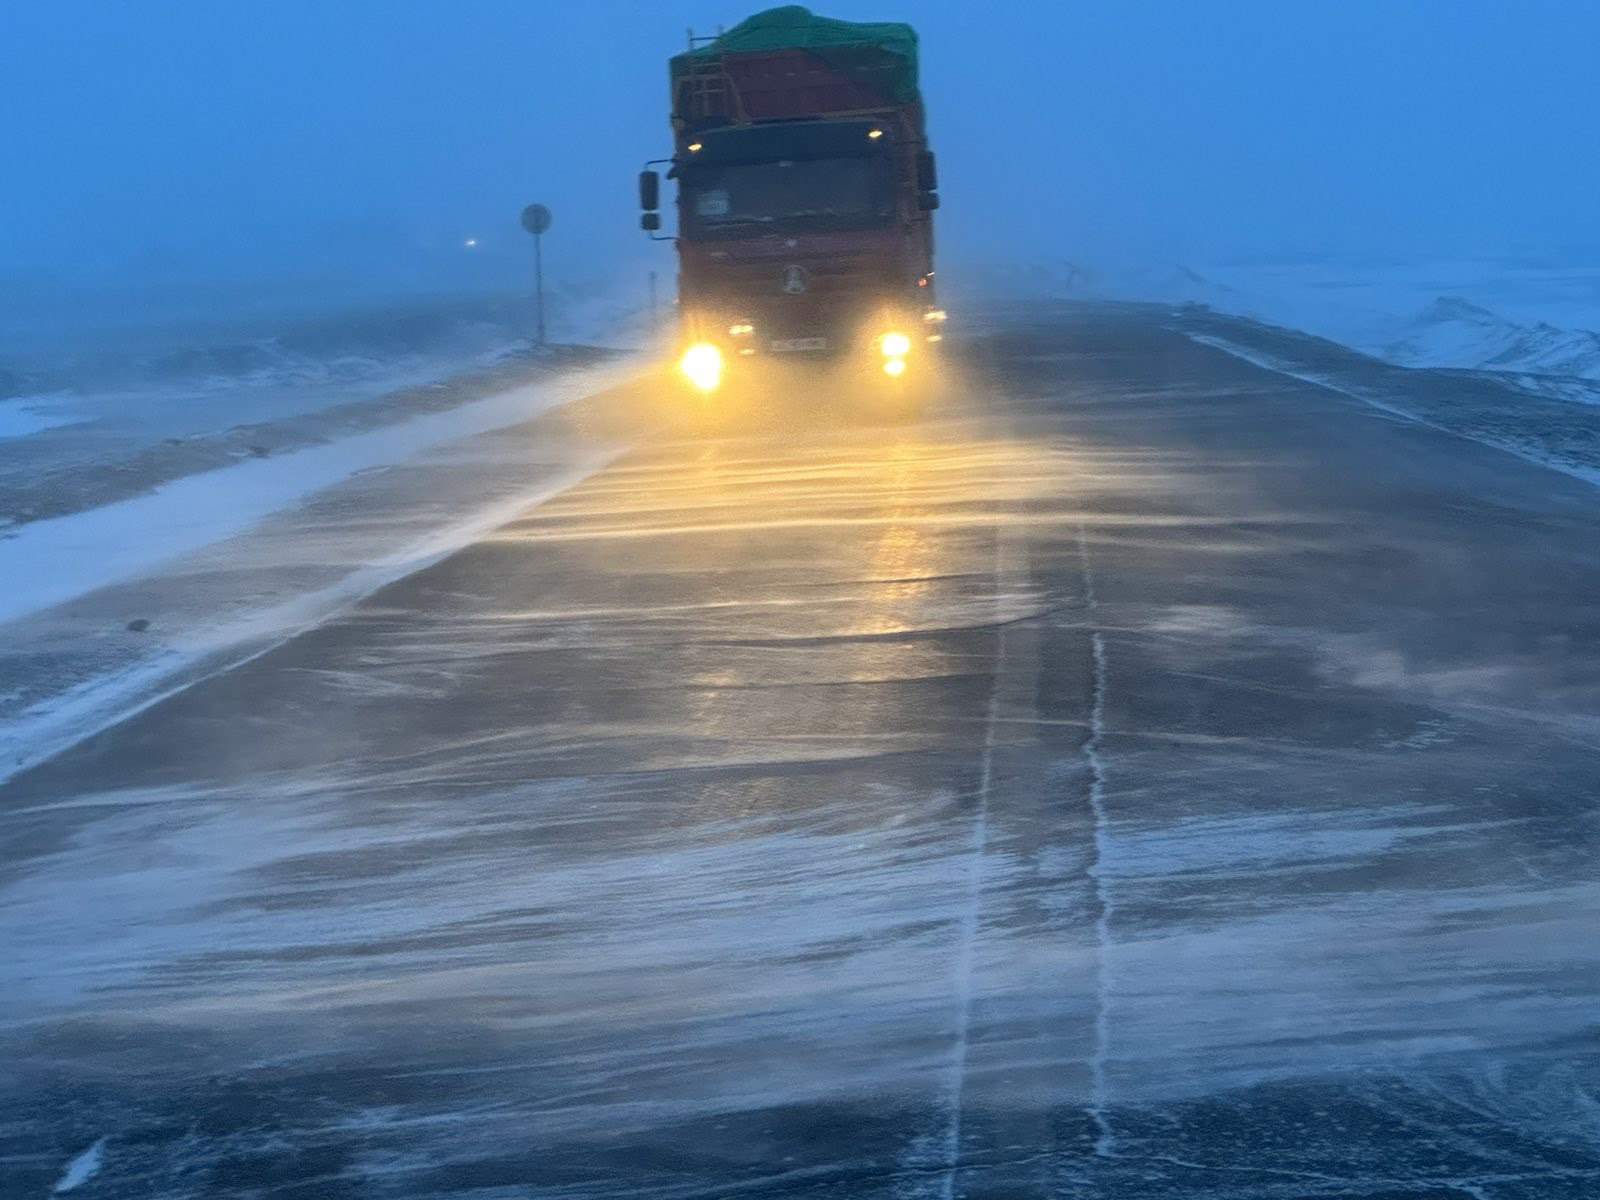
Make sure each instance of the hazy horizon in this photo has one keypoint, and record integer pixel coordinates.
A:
(293, 146)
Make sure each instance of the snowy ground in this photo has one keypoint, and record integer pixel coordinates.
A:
(1502, 351)
(180, 495)
(99, 412)
(1532, 319)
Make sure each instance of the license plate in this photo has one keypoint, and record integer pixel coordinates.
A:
(782, 345)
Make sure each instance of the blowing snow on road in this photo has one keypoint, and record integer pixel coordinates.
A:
(1149, 775)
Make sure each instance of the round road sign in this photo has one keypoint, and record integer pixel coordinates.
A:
(536, 218)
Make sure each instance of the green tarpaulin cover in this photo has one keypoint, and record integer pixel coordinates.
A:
(882, 54)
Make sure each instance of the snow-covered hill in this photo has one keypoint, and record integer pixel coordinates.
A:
(1452, 332)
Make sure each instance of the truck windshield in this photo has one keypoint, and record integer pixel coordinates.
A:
(831, 193)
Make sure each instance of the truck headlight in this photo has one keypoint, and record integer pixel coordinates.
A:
(895, 345)
(701, 365)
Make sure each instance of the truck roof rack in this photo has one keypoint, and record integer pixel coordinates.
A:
(704, 88)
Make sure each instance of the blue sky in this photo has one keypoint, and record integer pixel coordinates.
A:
(291, 138)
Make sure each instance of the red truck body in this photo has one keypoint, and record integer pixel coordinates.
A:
(805, 199)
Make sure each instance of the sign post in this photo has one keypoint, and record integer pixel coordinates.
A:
(536, 219)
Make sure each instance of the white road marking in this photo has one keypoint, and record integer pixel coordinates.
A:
(1105, 1140)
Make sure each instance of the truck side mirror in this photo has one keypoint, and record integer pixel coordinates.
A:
(927, 172)
(928, 201)
(649, 190)
(650, 222)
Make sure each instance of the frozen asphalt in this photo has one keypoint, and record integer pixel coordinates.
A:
(1150, 776)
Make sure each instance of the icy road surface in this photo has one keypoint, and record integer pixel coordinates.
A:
(1151, 776)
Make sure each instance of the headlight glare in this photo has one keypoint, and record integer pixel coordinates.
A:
(701, 365)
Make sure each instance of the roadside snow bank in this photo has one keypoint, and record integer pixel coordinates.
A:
(191, 640)
(1452, 332)
(51, 561)
(97, 413)
(1542, 425)
(109, 610)
(178, 492)
(1516, 317)
(30, 414)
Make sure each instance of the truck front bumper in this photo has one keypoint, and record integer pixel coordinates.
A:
(890, 346)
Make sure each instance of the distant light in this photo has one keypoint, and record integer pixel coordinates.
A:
(696, 147)
(471, 242)
(741, 329)
(895, 345)
(895, 367)
(875, 134)
(934, 314)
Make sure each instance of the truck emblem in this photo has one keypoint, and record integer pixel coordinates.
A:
(794, 279)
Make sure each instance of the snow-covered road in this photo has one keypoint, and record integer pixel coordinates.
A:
(1151, 776)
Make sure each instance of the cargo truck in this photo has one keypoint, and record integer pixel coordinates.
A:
(805, 199)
